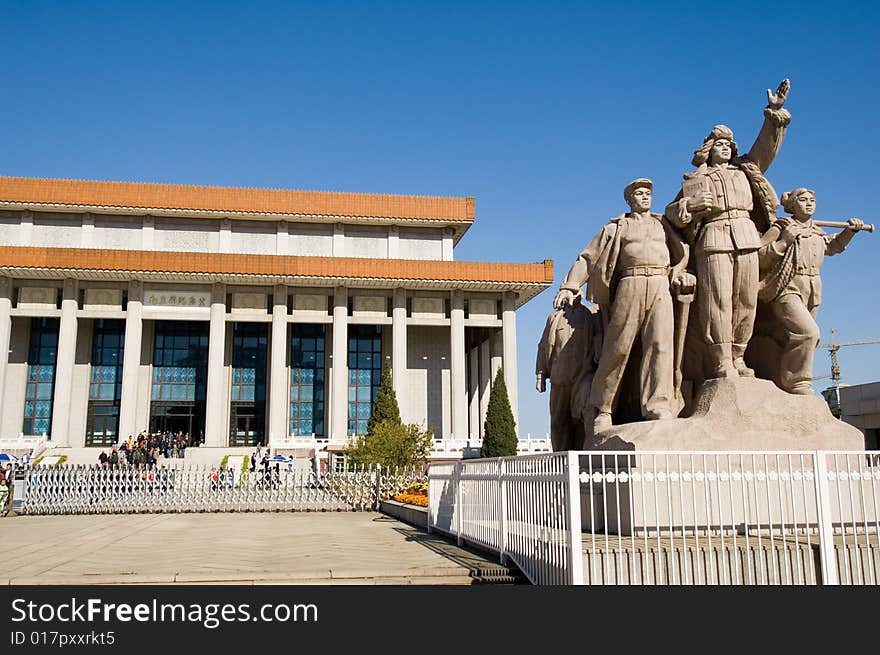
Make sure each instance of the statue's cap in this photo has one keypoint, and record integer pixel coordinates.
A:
(719, 132)
(635, 184)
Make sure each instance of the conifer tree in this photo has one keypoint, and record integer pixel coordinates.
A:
(385, 406)
(499, 438)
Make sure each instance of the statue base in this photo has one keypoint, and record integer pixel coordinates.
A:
(738, 414)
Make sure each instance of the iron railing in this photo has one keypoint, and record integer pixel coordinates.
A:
(145, 489)
(713, 518)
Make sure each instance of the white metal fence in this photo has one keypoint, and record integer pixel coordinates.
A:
(521, 507)
(99, 490)
(670, 518)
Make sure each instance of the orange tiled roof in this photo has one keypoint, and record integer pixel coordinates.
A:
(231, 200)
(273, 265)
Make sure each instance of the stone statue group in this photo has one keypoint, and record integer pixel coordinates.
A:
(751, 279)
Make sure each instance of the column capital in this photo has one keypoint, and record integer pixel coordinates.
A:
(148, 219)
(225, 223)
(71, 286)
(218, 293)
(5, 285)
(135, 290)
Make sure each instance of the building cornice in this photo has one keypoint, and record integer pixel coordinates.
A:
(39, 194)
(527, 280)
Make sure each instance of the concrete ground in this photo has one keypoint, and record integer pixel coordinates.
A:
(234, 548)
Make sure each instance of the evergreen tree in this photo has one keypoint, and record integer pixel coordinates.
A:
(499, 438)
(385, 407)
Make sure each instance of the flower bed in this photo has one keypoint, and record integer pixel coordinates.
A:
(415, 494)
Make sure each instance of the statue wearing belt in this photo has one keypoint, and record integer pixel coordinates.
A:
(722, 207)
(626, 268)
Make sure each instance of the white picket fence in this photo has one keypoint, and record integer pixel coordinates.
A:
(671, 517)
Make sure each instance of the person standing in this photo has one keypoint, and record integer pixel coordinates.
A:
(9, 477)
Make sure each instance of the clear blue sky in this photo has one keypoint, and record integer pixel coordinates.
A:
(542, 110)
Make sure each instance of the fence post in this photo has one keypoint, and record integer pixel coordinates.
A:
(378, 487)
(575, 545)
(502, 481)
(458, 507)
(827, 558)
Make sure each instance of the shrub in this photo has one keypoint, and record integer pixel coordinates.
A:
(499, 438)
(392, 445)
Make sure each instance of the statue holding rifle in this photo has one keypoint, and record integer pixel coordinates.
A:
(791, 257)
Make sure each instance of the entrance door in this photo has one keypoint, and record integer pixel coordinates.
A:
(102, 425)
(173, 418)
(245, 428)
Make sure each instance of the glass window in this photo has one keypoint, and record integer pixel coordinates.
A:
(365, 369)
(307, 380)
(180, 361)
(41, 370)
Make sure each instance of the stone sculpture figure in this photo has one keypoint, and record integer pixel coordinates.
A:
(721, 207)
(791, 261)
(628, 273)
(567, 357)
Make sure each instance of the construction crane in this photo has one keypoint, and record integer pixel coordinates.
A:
(833, 347)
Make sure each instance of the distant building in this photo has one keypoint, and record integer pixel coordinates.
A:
(860, 407)
(244, 316)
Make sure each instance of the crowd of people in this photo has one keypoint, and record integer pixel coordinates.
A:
(146, 449)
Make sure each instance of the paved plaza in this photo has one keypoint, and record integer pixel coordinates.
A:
(233, 548)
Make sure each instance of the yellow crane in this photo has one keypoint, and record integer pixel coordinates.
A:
(833, 347)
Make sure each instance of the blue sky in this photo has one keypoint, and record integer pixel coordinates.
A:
(541, 110)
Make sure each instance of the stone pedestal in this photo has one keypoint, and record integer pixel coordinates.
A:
(738, 414)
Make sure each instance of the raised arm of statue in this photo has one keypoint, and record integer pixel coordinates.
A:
(776, 120)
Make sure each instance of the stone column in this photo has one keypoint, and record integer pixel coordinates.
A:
(148, 230)
(458, 368)
(398, 346)
(131, 361)
(339, 386)
(447, 244)
(215, 410)
(474, 393)
(224, 239)
(338, 247)
(393, 242)
(88, 231)
(5, 333)
(278, 398)
(485, 380)
(508, 330)
(26, 229)
(64, 365)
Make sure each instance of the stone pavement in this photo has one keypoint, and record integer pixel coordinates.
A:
(234, 548)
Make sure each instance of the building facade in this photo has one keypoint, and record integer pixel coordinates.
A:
(860, 406)
(244, 316)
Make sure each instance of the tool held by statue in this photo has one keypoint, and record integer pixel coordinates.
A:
(867, 227)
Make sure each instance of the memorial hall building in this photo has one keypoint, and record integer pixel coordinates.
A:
(244, 316)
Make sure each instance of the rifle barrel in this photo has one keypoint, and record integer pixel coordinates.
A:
(867, 227)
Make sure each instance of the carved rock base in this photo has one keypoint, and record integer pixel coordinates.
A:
(739, 414)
